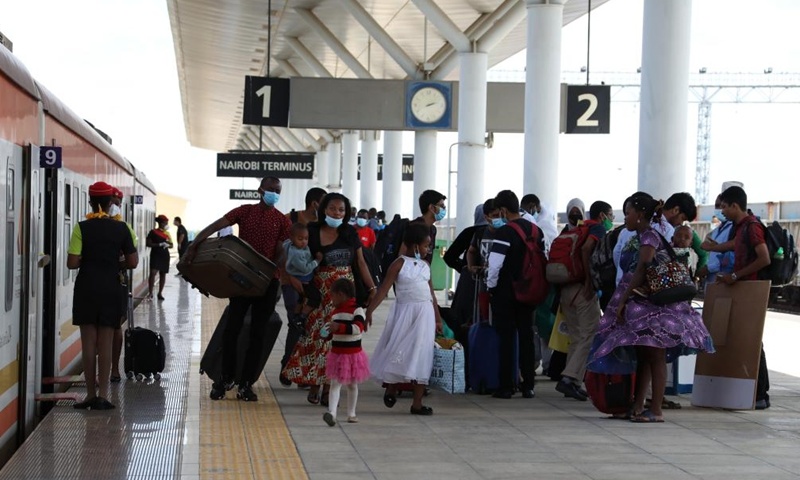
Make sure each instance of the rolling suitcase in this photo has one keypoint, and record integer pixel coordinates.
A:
(211, 363)
(145, 352)
(228, 267)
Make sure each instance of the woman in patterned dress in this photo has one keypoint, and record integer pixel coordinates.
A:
(340, 246)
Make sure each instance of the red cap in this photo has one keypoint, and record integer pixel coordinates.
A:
(118, 193)
(163, 218)
(101, 189)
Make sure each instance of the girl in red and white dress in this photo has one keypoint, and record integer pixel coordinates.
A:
(347, 363)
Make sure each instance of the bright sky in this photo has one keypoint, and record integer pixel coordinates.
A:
(112, 62)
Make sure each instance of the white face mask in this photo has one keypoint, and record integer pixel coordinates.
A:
(114, 210)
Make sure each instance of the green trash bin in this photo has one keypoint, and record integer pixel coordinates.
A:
(439, 268)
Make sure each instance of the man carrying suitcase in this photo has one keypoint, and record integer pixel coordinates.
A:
(265, 228)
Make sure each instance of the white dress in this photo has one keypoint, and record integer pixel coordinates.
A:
(405, 350)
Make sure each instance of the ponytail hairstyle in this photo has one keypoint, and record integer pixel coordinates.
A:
(647, 206)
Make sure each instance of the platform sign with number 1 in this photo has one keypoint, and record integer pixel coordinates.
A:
(585, 108)
(266, 101)
(50, 157)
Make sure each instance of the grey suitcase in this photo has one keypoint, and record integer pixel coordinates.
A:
(228, 267)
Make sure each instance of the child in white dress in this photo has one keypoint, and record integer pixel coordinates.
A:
(405, 350)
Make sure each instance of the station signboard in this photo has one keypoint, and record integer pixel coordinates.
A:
(239, 194)
(585, 108)
(408, 167)
(261, 164)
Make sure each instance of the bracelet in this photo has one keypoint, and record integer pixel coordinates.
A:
(374, 287)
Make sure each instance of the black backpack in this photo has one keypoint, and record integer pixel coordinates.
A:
(387, 245)
(782, 268)
(601, 264)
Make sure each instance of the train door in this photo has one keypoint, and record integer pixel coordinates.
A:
(52, 274)
(11, 246)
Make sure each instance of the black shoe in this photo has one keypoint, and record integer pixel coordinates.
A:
(762, 404)
(423, 410)
(284, 381)
(246, 393)
(504, 394)
(85, 405)
(298, 323)
(571, 390)
(528, 393)
(217, 391)
(101, 403)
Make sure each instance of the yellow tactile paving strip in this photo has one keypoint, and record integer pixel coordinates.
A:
(243, 440)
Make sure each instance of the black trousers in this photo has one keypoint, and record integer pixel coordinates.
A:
(290, 299)
(514, 321)
(261, 309)
(762, 386)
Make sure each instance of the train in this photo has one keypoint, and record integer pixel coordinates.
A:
(40, 206)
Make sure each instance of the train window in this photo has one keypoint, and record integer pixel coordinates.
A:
(10, 190)
(67, 200)
(67, 237)
(9, 265)
(75, 197)
(84, 205)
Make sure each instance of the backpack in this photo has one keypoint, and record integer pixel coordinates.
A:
(782, 268)
(565, 264)
(387, 245)
(531, 287)
(601, 263)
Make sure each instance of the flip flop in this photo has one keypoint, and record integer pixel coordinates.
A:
(313, 398)
(665, 404)
(647, 417)
(115, 379)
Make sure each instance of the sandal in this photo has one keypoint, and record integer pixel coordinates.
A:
(647, 417)
(313, 398)
(323, 400)
(388, 399)
(423, 410)
(665, 404)
(115, 378)
(622, 416)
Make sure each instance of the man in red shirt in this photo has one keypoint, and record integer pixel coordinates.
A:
(365, 233)
(750, 255)
(265, 228)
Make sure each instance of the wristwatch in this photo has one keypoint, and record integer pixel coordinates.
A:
(733, 276)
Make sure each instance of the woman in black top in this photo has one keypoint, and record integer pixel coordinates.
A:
(340, 246)
(159, 241)
(94, 249)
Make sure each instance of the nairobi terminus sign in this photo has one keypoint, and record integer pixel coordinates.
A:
(263, 164)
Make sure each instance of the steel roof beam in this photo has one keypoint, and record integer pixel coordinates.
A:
(308, 57)
(325, 134)
(287, 67)
(309, 139)
(291, 71)
(444, 25)
(250, 144)
(287, 136)
(330, 39)
(282, 144)
(384, 39)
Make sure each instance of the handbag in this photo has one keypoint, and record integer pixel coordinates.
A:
(448, 369)
(669, 281)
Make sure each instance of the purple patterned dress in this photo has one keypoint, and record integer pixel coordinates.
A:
(676, 327)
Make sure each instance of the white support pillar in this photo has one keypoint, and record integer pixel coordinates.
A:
(424, 165)
(471, 134)
(392, 173)
(350, 166)
(543, 99)
(369, 170)
(664, 107)
(334, 181)
(322, 162)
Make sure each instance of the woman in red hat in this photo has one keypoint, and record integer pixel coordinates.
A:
(94, 249)
(159, 241)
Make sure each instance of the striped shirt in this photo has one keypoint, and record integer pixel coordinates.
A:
(348, 325)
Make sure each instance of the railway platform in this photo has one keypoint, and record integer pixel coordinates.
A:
(171, 430)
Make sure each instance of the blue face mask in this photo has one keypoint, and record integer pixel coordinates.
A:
(497, 222)
(271, 198)
(441, 214)
(333, 222)
(720, 215)
(535, 216)
(362, 222)
(417, 255)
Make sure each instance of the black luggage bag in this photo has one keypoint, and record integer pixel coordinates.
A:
(211, 363)
(228, 267)
(145, 352)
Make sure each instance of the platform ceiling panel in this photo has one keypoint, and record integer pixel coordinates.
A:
(219, 42)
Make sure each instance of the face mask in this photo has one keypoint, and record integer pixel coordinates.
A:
(574, 219)
(441, 214)
(270, 198)
(417, 255)
(498, 222)
(333, 222)
(113, 210)
(362, 222)
(718, 213)
(535, 216)
(608, 224)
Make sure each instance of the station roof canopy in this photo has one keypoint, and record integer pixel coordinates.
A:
(219, 42)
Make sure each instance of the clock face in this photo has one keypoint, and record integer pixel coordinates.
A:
(428, 104)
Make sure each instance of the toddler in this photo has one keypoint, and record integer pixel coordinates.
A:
(682, 244)
(346, 364)
(300, 264)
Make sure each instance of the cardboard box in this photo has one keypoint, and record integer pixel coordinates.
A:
(734, 315)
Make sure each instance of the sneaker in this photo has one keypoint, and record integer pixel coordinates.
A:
(284, 381)
(503, 393)
(571, 390)
(217, 391)
(246, 393)
(329, 419)
(352, 419)
(528, 392)
(762, 404)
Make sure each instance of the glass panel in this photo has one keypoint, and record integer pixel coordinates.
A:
(67, 236)
(67, 200)
(9, 265)
(10, 190)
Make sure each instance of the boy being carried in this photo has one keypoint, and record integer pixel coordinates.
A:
(300, 265)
